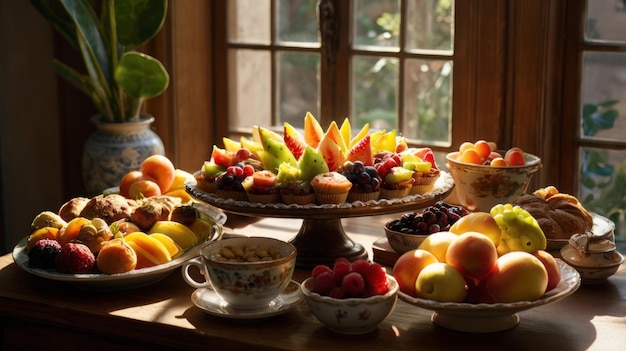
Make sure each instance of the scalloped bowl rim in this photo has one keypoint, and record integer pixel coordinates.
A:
(570, 282)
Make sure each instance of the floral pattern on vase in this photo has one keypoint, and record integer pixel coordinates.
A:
(115, 149)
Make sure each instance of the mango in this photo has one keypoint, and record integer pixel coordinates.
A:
(181, 234)
(150, 251)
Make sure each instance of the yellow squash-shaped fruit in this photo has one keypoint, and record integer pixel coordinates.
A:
(181, 234)
(169, 243)
(150, 251)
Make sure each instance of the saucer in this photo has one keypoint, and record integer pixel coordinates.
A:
(210, 302)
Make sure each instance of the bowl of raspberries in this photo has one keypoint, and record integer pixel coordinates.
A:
(350, 297)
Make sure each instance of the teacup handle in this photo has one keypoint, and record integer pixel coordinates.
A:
(195, 262)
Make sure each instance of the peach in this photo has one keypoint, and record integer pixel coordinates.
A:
(437, 244)
(127, 180)
(473, 254)
(552, 267)
(143, 188)
(517, 276)
(116, 256)
(161, 169)
(408, 267)
(482, 222)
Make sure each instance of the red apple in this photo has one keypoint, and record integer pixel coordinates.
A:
(473, 254)
(517, 276)
(408, 267)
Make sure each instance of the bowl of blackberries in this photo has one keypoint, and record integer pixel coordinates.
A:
(408, 231)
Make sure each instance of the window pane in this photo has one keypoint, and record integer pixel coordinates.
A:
(297, 21)
(249, 21)
(298, 84)
(428, 101)
(249, 79)
(603, 185)
(430, 25)
(606, 20)
(376, 23)
(374, 92)
(604, 96)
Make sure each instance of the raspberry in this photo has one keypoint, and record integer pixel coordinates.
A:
(75, 258)
(337, 293)
(319, 269)
(376, 279)
(353, 284)
(43, 253)
(360, 266)
(341, 267)
(324, 283)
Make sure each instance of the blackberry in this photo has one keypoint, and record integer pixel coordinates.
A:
(438, 217)
(43, 254)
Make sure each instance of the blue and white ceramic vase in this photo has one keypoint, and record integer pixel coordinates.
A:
(115, 149)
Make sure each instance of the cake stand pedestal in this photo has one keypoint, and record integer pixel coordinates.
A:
(321, 238)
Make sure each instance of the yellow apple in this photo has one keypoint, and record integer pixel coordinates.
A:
(517, 276)
(473, 254)
(437, 244)
(482, 222)
(408, 266)
(441, 282)
(552, 267)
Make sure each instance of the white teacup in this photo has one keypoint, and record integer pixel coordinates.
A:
(244, 285)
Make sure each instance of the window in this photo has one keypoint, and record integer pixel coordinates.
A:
(385, 63)
(599, 57)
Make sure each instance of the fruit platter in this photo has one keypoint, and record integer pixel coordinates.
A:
(274, 175)
(117, 241)
(493, 317)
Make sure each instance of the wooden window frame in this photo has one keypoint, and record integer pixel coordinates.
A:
(514, 97)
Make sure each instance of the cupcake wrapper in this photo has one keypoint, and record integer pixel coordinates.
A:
(264, 198)
(364, 197)
(231, 194)
(394, 193)
(331, 198)
(298, 199)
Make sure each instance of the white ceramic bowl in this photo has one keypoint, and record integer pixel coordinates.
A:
(351, 315)
(480, 187)
(402, 242)
(245, 285)
(494, 317)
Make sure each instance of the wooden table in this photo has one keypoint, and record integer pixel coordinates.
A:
(41, 314)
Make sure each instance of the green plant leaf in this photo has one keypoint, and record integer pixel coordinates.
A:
(140, 75)
(138, 21)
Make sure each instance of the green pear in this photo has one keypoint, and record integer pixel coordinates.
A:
(311, 163)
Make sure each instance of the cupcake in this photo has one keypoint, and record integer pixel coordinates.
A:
(365, 181)
(229, 184)
(206, 177)
(331, 188)
(294, 189)
(425, 173)
(397, 183)
(261, 187)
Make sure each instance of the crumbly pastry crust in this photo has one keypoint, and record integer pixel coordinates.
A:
(559, 215)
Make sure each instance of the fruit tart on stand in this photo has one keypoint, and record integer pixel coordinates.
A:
(298, 159)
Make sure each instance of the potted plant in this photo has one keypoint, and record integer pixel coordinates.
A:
(117, 78)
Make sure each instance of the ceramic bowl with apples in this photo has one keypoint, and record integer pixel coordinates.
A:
(477, 276)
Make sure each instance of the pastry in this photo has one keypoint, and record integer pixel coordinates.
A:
(331, 188)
